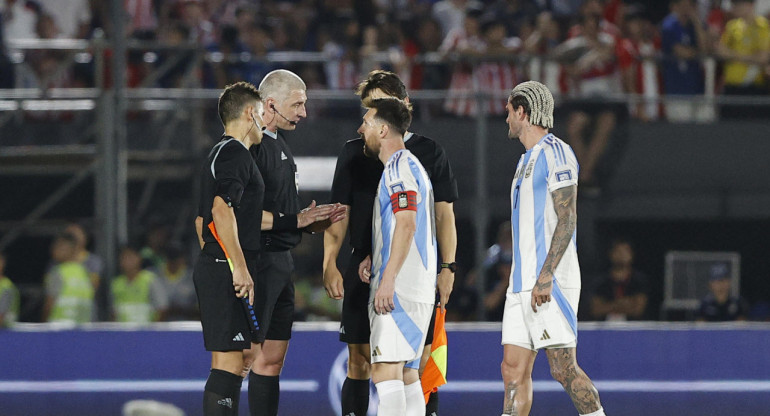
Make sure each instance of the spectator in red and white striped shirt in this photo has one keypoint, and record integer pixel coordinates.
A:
(636, 58)
(592, 78)
(492, 76)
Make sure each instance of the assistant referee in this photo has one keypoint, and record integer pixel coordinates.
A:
(230, 211)
(355, 185)
(284, 97)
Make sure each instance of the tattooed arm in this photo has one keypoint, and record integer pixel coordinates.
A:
(564, 202)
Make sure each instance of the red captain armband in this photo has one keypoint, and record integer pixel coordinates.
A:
(404, 201)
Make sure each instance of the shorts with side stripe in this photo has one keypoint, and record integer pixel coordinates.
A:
(554, 325)
(354, 323)
(223, 316)
(400, 335)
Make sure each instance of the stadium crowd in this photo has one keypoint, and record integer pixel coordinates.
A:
(592, 48)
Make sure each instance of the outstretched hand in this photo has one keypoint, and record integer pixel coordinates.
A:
(327, 213)
(338, 213)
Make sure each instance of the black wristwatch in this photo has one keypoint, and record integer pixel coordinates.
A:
(451, 266)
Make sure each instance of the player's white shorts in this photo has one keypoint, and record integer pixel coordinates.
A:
(399, 335)
(554, 325)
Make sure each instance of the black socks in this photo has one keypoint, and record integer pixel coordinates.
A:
(263, 395)
(355, 397)
(431, 409)
(222, 394)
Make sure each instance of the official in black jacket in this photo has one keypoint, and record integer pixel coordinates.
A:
(284, 97)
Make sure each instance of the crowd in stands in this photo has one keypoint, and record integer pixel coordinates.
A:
(590, 52)
(595, 48)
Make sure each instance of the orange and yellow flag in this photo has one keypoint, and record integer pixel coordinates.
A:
(434, 374)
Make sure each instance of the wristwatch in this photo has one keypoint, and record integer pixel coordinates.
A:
(451, 266)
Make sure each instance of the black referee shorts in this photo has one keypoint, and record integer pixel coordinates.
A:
(274, 296)
(223, 317)
(354, 325)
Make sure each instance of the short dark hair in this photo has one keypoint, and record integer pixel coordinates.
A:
(234, 98)
(386, 81)
(520, 101)
(396, 113)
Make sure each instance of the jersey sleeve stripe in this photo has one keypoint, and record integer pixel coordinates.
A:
(214, 160)
(561, 152)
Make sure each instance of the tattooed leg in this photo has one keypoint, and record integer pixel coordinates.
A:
(565, 370)
(510, 393)
(517, 378)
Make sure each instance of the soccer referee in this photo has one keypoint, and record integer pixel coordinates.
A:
(284, 97)
(228, 229)
(355, 185)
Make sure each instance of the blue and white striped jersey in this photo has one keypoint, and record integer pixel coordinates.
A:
(416, 281)
(546, 167)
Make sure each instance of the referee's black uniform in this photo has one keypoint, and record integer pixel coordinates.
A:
(231, 174)
(355, 183)
(273, 286)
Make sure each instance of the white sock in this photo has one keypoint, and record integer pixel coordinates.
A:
(415, 400)
(392, 399)
(599, 412)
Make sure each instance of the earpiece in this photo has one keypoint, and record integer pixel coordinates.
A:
(293, 123)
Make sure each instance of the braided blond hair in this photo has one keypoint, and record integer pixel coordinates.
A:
(540, 102)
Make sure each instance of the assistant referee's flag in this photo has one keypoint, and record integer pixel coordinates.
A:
(249, 309)
(434, 374)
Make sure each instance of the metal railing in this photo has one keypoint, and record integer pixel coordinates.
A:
(108, 157)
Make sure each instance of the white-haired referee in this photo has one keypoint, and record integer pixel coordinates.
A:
(544, 288)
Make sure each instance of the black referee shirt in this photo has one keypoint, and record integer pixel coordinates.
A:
(276, 163)
(231, 173)
(356, 177)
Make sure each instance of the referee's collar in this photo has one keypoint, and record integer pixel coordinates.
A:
(408, 136)
(271, 134)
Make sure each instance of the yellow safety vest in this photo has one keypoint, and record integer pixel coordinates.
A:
(12, 315)
(75, 302)
(131, 298)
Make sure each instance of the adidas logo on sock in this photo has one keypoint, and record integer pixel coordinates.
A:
(226, 401)
(239, 337)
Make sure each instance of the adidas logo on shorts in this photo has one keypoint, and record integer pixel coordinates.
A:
(545, 336)
(227, 401)
(376, 352)
(239, 337)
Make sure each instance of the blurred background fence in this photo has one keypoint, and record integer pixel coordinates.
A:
(108, 132)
